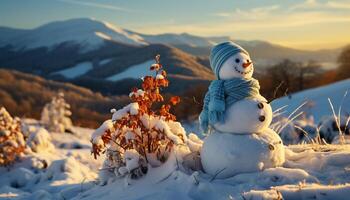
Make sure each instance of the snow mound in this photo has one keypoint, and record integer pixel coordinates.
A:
(301, 130)
(301, 192)
(49, 173)
(334, 131)
(39, 140)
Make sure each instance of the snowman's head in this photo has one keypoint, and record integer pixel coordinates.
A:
(229, 60)
(238, 65)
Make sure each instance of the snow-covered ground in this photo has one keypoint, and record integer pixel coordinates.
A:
(316, 99)
(60, 165)
(135, 71)
(69, 171)
(75, 71)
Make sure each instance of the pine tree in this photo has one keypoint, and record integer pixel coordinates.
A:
(56, 115)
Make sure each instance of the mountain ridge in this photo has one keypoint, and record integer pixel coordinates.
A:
(67, 45)
(139, 38)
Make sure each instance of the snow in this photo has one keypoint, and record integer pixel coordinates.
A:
(135, 72)
(302, 192)
(90, 34)
(224, 154)
(159, 76)
(329, 128)
(131, 157)
(96, 135)
(39, 140)
(75, 71)
(50, 173)
(309, 170)
(105, 61)
(138, 93)
(317, 100)
(178, 39)
(296, 131)
(132, 108)
(237, 119)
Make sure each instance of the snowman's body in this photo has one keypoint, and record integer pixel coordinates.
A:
(242, 141)
(246, 116)
(226, 154)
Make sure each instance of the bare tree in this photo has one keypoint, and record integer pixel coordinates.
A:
(289, 76)
(344, 64)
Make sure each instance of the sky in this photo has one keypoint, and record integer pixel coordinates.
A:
(305, 24)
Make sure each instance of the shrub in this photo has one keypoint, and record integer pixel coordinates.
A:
(138, 136)
(56, 115)
(12, 143)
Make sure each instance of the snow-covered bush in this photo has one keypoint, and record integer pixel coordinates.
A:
(334, 129)
(39, 139)
(12, 143)
(301, 130)
(56, 115)
(139, 136)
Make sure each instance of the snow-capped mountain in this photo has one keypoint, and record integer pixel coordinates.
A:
(88, 33)
(91, 34)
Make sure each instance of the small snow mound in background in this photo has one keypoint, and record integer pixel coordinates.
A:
(39, 140)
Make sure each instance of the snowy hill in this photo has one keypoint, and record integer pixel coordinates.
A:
(317, 100)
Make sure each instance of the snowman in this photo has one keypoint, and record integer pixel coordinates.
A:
(237, 118)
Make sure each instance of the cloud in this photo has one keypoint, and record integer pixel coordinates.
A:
(274, 23)
(307, 4)
(276, 17)
(255, 12)
(338, 5)
(314, 4)
(96, 5)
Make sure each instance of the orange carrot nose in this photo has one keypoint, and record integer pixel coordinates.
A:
(245, 65)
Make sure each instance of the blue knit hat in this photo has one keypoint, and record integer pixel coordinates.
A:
(221, 52)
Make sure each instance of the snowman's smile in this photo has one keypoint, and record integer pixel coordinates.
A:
(241, 72)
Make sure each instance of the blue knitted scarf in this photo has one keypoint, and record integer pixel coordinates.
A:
(221, 95)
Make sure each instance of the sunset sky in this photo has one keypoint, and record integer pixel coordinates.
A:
(303, 24)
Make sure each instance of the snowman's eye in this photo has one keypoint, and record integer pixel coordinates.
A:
(260, 105)
(237, 60)
(247, 60)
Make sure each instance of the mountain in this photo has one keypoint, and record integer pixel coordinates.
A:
(88, 52)
(101, 56)
(317, 100)
(88, 33)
